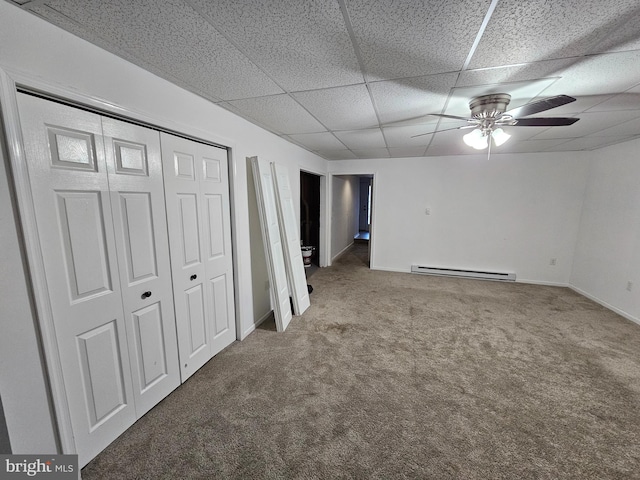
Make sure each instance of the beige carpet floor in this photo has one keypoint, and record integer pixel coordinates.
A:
(392, 375)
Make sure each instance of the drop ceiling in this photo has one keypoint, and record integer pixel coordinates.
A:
(352, 79)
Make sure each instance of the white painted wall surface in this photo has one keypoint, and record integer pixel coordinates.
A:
(512, 213)
(345, 191)
(38, 49)
(608, 249)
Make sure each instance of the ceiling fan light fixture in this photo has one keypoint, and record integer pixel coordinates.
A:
(500, 136)
(476, 139)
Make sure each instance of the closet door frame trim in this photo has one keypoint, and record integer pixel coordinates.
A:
(10, 82)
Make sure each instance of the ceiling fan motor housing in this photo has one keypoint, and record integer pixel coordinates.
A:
(489, 106)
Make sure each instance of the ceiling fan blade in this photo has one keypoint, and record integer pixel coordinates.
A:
(540, 106)
(545, 122)
(445, 130)
(466, 119)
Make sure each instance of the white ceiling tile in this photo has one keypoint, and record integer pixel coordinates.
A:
(342, 108)
(449, 143)
(626, 128)
(414, 37)
(409, 100)
(594, 79)
(513, 73)
(629, 100)
(402, 136)
(280, 113)
(318, 141)
(587, 143)
(372, 153)
(521, 92)
(337, 154)
(371, 138)
(302, 45)
(398, 152)
(589, 123)
(173, 38)
(522, 32)
(527, 146)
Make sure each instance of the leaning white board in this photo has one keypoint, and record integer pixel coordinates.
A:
(290, 239)
(267, 210)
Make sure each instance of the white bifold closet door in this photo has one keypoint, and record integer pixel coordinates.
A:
(198, 214)
(99, 208)
(290, 239)
(267, 209)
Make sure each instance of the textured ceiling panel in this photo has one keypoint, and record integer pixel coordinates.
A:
(318, 141)
(513, 73)
(410, 99)
(521, 32)
(398, 152)
(629, 100)
(279, 113)
(408, 38)
(588, 143)
(401, 136)
(529, 146)
(342, 108)
(173, 37)
(521, 93)
(362, 75)
(355, 139)
(589, 124)
(302, 45)
(337, 154)
(372, 153)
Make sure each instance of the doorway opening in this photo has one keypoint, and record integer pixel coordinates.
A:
(364, 216)
(310, 220)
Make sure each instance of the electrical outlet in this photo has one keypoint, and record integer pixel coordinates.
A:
(553, 261)
(629, 286)
(427, 211)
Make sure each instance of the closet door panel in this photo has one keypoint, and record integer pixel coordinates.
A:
(198, 213)
(218, 260)
(67, 172)
(186, 240)
(135, 179)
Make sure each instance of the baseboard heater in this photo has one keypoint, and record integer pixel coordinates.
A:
(454, 272)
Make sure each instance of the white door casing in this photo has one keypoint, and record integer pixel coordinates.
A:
(68, 176)
(134, 166)
(272, 240)
(290, 239)
(198, 216)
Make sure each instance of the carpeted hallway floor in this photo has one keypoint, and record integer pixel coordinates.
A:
(393, 375)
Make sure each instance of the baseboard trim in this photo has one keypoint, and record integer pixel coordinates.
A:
(256, 324)
(622, 313)
(543, 282)
(342, 252)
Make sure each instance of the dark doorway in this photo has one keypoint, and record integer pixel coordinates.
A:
(310, 213)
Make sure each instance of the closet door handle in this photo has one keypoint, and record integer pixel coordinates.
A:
(146, 295)
(193, 277)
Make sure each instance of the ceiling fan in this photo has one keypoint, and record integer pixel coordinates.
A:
(489, 114)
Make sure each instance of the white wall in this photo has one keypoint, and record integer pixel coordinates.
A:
(608, 248)
(38, 49)
(511, 213)
(345, 198)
